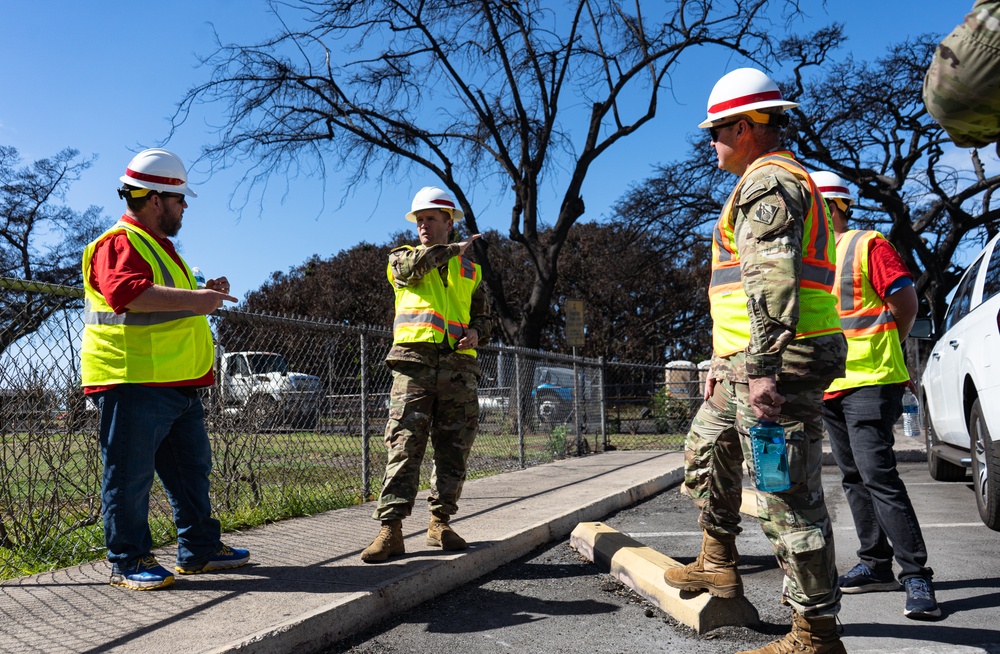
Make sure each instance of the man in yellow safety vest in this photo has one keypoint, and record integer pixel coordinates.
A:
(442, 315)
(146, 349)
(777, 344)
(877, 304)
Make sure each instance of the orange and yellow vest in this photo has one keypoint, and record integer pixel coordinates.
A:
(874, 353)
(728, 300)
(139, 347)
(429, 311)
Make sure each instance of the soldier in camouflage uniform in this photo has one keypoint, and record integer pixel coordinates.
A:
(962, 85)
(777, 345)
(442, 315)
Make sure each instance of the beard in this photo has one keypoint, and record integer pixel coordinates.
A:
(170, 224)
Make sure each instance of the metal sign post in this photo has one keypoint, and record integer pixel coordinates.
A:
(575, 337)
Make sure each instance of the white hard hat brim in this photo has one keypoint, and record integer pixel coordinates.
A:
(456, 213)
(154, 186)
(714, 118)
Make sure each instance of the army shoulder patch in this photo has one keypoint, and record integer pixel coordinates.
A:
(765, 213)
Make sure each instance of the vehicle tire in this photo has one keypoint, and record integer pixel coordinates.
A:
(262, 413)
(985, 468)
(550, 408)
(939, 469)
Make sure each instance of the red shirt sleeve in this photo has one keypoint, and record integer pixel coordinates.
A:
(884, 266)
(118, 272)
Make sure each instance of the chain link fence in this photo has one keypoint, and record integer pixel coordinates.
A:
(296, 419)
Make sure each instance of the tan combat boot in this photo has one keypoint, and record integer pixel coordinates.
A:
(389, 542)
(714, 570)
(816, 635)
(440, 534)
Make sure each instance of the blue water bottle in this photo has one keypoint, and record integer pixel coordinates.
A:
(770, 458)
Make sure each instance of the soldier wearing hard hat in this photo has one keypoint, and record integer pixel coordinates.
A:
(442, 315)
(146, 350)
(777, 344)
(877, 304)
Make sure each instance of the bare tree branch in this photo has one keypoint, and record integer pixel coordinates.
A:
(480, 93)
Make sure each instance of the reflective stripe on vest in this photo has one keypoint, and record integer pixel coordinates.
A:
(142, 347)
(429, 311)
(874, 353)
(817, 305)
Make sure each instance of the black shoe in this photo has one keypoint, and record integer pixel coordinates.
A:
(920, 602)
(862, 579)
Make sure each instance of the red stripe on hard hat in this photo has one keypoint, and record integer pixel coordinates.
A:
(834, 189)
(156, 179)
(744, 100)
(444, 203)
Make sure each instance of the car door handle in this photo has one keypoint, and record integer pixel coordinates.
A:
(936, 355)
(953, 343)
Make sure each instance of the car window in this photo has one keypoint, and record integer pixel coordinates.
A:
(991, 284)
(961, 304)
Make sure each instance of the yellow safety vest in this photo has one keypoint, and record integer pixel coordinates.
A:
(728, 300)
(874, 353)
(429, 311)
(139, 347)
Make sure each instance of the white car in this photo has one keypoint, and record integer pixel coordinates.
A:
(960, 386)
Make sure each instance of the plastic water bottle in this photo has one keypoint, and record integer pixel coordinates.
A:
(199, 277)
(911, 414)
(770, 457)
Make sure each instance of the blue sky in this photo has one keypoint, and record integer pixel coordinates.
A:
(104, 77)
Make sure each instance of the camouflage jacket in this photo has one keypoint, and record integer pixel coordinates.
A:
(408, 267)
(962, 84)
(770, 263)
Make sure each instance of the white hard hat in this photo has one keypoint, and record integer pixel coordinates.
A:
(157, 170)
(431, 197)
(832, 186)
(741, 91)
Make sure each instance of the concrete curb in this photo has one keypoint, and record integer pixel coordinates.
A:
(353, 614)
(641, 569)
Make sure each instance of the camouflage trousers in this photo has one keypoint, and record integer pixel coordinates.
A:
(435, 404)
(713, 463)
(796, 521)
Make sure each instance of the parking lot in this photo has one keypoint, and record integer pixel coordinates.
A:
(553, 601)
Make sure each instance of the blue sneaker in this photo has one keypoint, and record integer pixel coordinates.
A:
(862, 579)
(920, 601)
(222, 559)
(144, 574)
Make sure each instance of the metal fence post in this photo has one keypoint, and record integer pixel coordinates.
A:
(366, 464)
(576, 406)
(517, 407)
(604, 406)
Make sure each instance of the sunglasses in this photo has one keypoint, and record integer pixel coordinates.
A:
(715, 129)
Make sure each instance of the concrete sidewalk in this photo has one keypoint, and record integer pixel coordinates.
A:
(306, 586)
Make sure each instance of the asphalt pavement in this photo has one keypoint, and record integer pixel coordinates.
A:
(556, 601)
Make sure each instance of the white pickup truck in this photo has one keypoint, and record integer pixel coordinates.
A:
(259, 387)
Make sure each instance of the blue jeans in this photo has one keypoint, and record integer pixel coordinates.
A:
(146, 429)
(860, 428)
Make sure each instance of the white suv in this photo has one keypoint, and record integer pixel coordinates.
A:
(961, 386)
